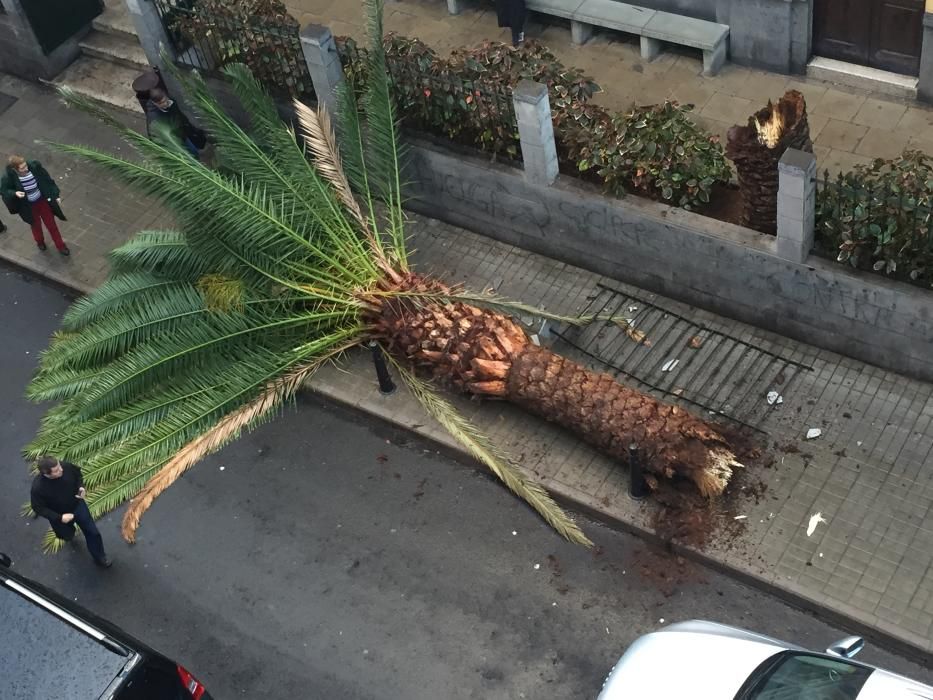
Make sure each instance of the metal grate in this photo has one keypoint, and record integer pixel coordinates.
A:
(714, 371)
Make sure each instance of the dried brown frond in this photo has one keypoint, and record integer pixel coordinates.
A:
(226, 430)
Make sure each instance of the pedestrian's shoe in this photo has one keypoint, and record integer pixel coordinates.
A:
(42, 246)
(2, 227)
(64, 251)
(104, 563)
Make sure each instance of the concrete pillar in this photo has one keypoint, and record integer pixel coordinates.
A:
(323, 61)
(925, 83)
(533, 112)
(155, 43)
(796, 205)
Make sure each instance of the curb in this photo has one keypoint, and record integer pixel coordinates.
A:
(568, 499)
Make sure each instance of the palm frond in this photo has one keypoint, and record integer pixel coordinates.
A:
(384, 153)
(225, 431)
(482, 449)
(159, 251)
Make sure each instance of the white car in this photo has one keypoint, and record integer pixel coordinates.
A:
(699, 660)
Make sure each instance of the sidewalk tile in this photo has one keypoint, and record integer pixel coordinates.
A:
(879, 113)
(882, 143)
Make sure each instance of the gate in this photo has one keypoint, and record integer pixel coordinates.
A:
(670, 354)
(56, 21)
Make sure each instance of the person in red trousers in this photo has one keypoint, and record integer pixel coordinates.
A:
(28, 190)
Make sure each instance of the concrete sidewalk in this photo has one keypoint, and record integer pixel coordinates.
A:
(868, 474)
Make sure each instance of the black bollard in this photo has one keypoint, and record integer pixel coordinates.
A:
(386, 385)
(638, 487)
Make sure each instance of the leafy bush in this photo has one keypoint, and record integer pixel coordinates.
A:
(880, 217)
(656, 151)
(259, 33)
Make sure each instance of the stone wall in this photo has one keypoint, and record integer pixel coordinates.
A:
(721, 267)
(20, 53)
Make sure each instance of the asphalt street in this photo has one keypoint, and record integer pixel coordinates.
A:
(322, 556)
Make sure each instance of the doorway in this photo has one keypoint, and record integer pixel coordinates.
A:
(885, 34)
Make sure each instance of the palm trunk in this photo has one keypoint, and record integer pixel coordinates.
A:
(756, 150)
(485, 353)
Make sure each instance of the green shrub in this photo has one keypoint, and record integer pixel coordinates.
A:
(880, 217)
(656, 151)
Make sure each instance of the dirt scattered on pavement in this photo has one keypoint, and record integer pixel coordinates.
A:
(667, 572)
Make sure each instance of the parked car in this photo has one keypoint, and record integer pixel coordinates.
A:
(708, 661)
(53, 648)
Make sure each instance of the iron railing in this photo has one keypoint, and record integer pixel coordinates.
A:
(879, 226)
(208, 36)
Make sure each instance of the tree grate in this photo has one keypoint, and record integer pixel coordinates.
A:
(715, 371)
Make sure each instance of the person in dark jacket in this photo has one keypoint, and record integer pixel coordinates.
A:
(28, 190)
(161, 109)
(58, 495)
(512, 14)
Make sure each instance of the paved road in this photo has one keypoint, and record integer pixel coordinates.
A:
(324, 557)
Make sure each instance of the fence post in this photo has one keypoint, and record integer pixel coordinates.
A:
(925, 83)
(323, 61)
(154, 42)
(796, 205)
(533, 112)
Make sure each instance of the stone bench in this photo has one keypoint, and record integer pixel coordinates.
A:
(654, 27)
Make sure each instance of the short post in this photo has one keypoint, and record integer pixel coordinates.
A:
(453, 7)
(796, 205)
(638, 486)
(925, 82)
(386, 385)
(323, 61)
(533, 112)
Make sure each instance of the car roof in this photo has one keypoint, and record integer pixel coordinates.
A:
(48, 650)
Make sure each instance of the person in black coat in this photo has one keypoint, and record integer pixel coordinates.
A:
(161, 109)
(512, 14)
(57, 494)
(27, 189)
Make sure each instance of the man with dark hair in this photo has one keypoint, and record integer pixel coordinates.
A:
(58, 495)
(161, 109)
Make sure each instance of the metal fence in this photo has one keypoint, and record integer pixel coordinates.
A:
(208, 36)
(884, 226)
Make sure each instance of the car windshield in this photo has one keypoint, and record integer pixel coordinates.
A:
(810, 677)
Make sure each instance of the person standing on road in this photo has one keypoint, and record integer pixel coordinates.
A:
(28, 190)
(161, 109)
(58, 495)
(511, 13)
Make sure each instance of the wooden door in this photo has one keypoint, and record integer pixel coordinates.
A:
(897, 34)
(885, 34)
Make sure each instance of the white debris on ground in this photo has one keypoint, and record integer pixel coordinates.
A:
(815, 520)
(670, 365)
(813, 433)
(774, 398)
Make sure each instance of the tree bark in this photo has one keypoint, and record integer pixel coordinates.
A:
(486, 353)
(756, 149)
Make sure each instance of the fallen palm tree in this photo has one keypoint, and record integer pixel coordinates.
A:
(283, 261)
